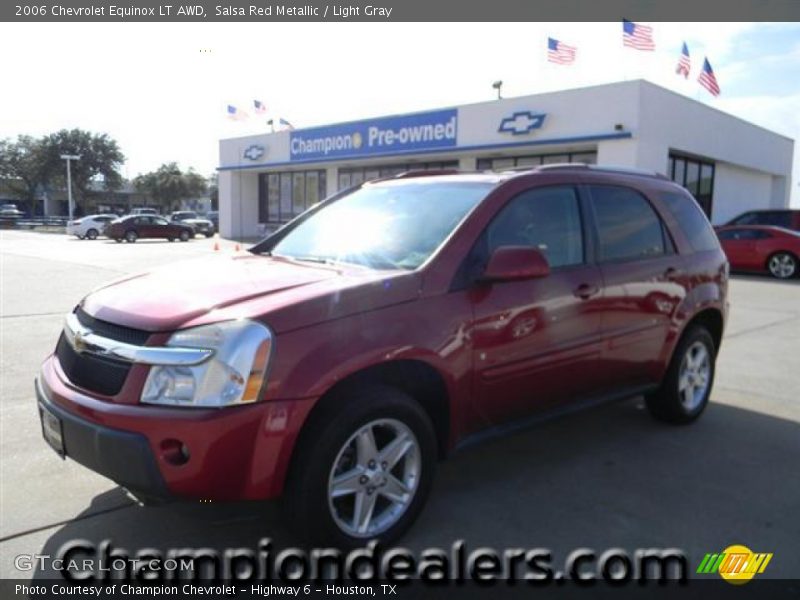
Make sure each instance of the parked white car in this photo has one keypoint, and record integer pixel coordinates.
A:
(90, 226)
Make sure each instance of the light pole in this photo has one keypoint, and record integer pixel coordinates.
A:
(69, 158)
(498, 85)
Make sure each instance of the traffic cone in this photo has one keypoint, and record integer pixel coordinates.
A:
(216, 242)
(238, 248)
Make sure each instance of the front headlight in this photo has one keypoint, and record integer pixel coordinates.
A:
(233, 375)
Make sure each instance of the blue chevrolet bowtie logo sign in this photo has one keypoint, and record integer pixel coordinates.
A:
(254, 152)
(521, 122)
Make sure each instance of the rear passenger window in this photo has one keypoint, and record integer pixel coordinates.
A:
(692, 221)
(628, 227)
(548, 219)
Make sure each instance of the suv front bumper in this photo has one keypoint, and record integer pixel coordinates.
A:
(234, 453)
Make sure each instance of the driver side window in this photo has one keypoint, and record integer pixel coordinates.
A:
(548, 219)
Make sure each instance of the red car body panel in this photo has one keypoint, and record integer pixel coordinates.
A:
(503, 351)
(753, 254)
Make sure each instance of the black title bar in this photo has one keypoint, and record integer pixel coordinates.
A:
(398, 10)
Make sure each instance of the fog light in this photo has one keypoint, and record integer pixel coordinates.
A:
(175, 452)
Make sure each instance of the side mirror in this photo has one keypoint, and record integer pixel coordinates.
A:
(514, 263)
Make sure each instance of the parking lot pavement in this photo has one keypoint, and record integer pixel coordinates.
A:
(609, 477)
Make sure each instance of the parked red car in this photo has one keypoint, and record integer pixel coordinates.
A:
(787, 218)
(381, 330)
(134, 227)
(761, 248)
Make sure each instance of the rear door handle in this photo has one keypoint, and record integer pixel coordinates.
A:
(586, 291)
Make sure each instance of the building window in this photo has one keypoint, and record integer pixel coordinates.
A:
(284, 195)
(349, 177)
(534, 160)
(695, 175)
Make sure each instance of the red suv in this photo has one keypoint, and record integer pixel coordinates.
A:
(342, 356)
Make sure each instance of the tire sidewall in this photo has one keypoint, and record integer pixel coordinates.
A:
(668, 401)
(92, 234)
(308, 481)
(131, 236)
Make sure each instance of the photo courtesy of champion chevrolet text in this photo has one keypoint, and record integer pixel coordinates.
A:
(399, 299)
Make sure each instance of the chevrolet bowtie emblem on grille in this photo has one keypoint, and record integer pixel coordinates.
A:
(521, 122)
(254, 152)
(79, 343)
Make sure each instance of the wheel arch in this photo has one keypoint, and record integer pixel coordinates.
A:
(417, 378)
(711, 318)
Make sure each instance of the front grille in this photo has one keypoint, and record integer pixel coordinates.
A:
(98, 374)
(137, 337)
(94, 373)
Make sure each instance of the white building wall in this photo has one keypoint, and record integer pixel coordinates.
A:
(736, 190)
(239, 189)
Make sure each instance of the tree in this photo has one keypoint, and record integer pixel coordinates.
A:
(168, 185)
(32, 163)
(100, 157)
(24, 167)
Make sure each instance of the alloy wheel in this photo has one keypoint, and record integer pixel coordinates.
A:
(782, 265)
(374, 478)
(695, 376)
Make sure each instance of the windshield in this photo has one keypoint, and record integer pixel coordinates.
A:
(394, 225)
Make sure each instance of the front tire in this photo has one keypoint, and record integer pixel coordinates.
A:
(131, 236)
(686, 387)
(782, 265)
(362, 469)
(184, 236)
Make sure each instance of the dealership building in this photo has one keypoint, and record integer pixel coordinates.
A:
(728, 164)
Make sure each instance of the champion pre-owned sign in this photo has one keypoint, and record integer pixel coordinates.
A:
(388, 135)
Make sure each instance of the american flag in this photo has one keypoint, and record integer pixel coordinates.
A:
(559, 52)
(637, 36)
(259, 107)
(234, 114)
(708, 80)
(285, 123)
(684, 64)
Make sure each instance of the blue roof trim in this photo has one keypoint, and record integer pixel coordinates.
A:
(564, 140)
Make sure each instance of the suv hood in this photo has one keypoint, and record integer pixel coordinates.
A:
(287, 294)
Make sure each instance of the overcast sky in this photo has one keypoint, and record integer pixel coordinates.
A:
(161, 89)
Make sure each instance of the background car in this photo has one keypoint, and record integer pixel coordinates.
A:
(144, 211)
(213, 216)
(786, 218)
(90, 226)
(188, 217)
(760, 248)
(133, 227)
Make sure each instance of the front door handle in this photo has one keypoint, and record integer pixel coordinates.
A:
(671, 274)
(586, 291)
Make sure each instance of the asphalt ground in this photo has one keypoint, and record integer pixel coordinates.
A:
(610, 477)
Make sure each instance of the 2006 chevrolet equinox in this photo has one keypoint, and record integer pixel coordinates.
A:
(338, 359)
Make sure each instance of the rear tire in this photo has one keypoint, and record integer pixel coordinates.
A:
(118, 240)
(686, 387)
(782, 265)
(92, 234)
(184, 236)
(350, 440)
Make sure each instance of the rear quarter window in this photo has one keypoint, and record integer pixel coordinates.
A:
(692, 221)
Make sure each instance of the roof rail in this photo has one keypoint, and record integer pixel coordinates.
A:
(603, 169)
(424, 173)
